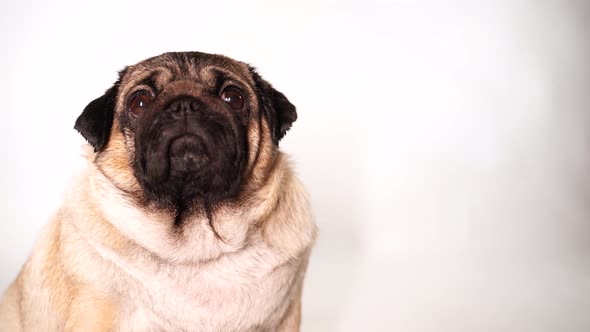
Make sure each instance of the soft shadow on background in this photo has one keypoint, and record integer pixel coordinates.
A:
(445, 146)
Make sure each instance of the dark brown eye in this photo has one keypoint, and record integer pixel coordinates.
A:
(233, 97)
(140, 101)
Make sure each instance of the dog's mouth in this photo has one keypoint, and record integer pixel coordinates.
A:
(185, 153)
(175, 152)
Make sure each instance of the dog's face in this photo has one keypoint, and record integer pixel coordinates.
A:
(186, 129)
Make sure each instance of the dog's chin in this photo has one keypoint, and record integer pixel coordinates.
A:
(187, 155)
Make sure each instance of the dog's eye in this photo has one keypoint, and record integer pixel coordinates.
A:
(139, 101)
(233, 97)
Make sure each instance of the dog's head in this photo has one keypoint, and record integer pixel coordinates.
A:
(186, 128)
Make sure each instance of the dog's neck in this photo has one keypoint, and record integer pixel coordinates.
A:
(201, 236)
(147, 260)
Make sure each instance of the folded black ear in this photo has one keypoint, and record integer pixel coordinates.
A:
(278, 110)
(96, 120)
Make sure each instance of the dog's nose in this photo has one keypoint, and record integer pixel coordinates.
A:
(183, 106)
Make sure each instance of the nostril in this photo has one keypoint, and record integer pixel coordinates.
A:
(184, 105)
(174, 107)
(195, 105)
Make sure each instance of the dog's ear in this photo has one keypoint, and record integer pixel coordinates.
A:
(95, 122)
(279, 111)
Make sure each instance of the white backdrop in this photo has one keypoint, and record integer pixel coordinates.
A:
(445, 145)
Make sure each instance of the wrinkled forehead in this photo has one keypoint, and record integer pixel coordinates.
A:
(206, 69)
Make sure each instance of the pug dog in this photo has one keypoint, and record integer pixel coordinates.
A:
(187, 218)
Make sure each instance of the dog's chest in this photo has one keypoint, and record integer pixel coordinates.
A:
(247, 293)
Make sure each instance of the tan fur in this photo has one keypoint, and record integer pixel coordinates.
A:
(108, 263)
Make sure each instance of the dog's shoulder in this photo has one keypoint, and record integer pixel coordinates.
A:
(290, 228)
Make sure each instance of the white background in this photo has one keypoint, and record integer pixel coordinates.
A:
(444, 144)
